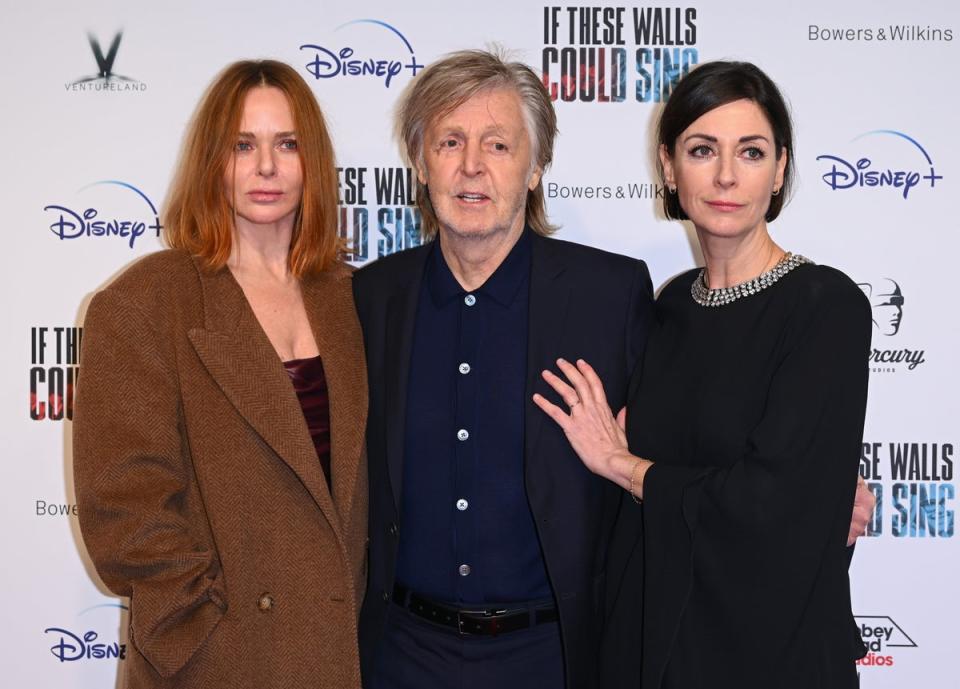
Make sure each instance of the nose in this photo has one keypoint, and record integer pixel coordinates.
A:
(266, 165)
(726, 176)
(472, 162)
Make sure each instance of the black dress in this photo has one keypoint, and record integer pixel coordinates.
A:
(753, 414)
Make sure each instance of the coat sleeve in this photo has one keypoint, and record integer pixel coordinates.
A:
(139, 509)
(750, 541)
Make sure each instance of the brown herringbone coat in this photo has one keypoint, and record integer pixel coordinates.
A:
(200, 493)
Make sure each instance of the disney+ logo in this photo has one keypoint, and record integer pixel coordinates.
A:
(70, 647)
(843, 174)
(328, 63)
(90, 222)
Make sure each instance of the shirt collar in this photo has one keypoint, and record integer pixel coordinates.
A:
(501, 287)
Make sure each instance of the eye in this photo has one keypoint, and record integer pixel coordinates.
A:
(449, 143)
(700, 151)
(754, 153)
(288, 145)
(500, 147)
(243, 146)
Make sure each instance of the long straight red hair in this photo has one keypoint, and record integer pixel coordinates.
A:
(198, 214)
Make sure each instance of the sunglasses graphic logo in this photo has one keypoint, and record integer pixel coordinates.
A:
(886, 302)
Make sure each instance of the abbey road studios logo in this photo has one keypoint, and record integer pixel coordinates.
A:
(367, 49)
(887, 302)
(105, 79)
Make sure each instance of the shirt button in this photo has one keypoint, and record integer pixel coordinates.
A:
(469, 300)
(464, 368)
(462, 434)
(464, 570)
(462, 504)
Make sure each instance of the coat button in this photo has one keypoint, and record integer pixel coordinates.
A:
(469, 300)
(265, 602)
(392, 529)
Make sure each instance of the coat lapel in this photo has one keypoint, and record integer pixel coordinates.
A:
(329, 304)
(239, 357)
(549, 301)
(401, 318)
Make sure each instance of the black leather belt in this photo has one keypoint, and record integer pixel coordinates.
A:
(483, 622)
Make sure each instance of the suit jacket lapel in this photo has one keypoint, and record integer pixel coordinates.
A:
(401, 318)
(549, 301)
(330, 308)
(239, 357)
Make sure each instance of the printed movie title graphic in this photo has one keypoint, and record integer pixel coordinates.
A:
(397, 219)
(52, 383)
(917, 498)
(616, 54)
(894, 33)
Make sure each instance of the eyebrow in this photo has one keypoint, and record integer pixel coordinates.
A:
(278, 135)
(713, 139)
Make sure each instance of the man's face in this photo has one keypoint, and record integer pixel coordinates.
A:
(478, 166)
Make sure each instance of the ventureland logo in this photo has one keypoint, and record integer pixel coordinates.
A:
(381, 55)
(105, 79)
(903, 168)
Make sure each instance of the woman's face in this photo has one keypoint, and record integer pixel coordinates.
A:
(725, 168)
(263, 180)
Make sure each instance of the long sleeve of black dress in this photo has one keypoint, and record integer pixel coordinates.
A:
(753, 414)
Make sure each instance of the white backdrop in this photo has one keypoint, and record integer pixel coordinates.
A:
(871, 86)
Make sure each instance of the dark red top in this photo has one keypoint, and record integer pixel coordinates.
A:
(310, 384)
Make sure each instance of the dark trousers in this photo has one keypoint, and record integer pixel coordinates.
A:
(417, 654)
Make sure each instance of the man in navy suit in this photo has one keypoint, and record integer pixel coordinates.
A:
(488, 537)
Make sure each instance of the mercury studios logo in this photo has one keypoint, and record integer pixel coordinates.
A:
(902, 164)
(883, 638)
(130, 215)
(74, 644)
(385, 54)
(105, 78)
(886, 303)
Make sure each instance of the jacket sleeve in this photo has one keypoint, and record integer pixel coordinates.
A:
(750, 540)
(139, 509)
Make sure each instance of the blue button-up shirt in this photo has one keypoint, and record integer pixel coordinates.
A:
(467, 535)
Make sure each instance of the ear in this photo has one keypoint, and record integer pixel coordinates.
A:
(535, 178)
(421, 170)
(781, 167)
(666, 162)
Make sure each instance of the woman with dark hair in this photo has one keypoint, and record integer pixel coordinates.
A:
(743, 431)
(218, 437)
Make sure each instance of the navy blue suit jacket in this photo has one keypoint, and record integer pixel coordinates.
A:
(584, 303)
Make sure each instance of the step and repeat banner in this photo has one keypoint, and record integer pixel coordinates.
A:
(96, 99)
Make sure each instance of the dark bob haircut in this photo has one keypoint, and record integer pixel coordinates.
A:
(709, 86)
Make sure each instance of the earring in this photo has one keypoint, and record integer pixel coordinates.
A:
(775, 192)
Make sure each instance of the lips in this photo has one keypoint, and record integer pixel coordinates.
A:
(472, 197)
(264, 195)
(725, 205)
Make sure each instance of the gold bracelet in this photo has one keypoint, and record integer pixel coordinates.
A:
(633, 476)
